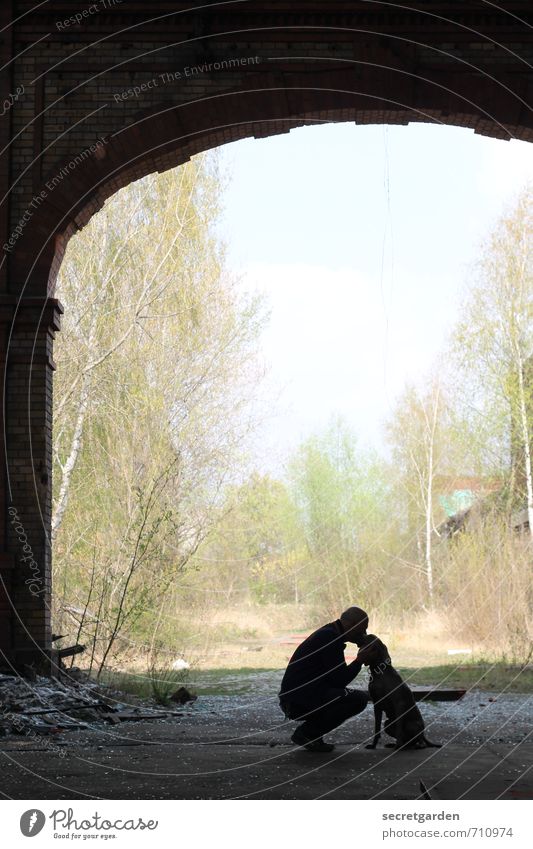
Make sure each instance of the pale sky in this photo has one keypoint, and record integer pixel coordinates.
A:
(361, 240)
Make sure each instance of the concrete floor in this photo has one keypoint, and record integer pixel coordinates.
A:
(218, 771)
(239, 747)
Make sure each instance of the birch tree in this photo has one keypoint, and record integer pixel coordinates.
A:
(417, 433)
(493, 346)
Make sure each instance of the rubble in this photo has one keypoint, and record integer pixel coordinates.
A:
(182, 696)
(48, 705)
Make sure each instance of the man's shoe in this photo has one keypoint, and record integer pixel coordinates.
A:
(317, 745)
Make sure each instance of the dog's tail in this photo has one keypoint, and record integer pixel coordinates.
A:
(430, 745)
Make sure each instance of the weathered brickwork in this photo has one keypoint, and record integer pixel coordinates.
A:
(29, 326)
(101, 93)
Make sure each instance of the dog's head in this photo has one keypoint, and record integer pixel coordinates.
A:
(373, 651)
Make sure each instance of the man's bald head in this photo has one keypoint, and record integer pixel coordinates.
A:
(354, 623)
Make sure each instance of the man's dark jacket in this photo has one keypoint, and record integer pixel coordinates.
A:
(317, 671)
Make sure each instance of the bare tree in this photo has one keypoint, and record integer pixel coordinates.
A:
(156, 373)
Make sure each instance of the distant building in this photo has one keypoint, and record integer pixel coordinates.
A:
(459, 496)
(456, 493)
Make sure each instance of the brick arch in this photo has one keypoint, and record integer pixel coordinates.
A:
(165, 136)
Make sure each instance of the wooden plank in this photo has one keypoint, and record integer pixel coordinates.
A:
(127, 717)
(71, 650)
(434, 694)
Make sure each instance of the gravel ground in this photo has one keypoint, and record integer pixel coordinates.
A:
(506, 718)
(239, 747)
(257, 719)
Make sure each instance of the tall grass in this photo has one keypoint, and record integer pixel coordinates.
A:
(487, 591)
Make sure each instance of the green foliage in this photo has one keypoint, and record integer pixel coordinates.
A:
(255, 550)
(157, 525)
(493, 342)
(152, 407)
(345, 504)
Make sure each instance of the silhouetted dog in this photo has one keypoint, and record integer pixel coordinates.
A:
(392, 697)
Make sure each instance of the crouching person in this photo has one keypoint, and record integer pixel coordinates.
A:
(313, 688)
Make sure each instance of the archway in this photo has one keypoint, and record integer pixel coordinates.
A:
(185, 82)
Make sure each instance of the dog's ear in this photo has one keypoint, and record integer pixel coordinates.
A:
(383, 651)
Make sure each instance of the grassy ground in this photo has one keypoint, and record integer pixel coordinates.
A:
(204, 682)
(494, 677)
(248, 647)
(480, 676)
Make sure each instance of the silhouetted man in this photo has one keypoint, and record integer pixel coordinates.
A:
(314, 685)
